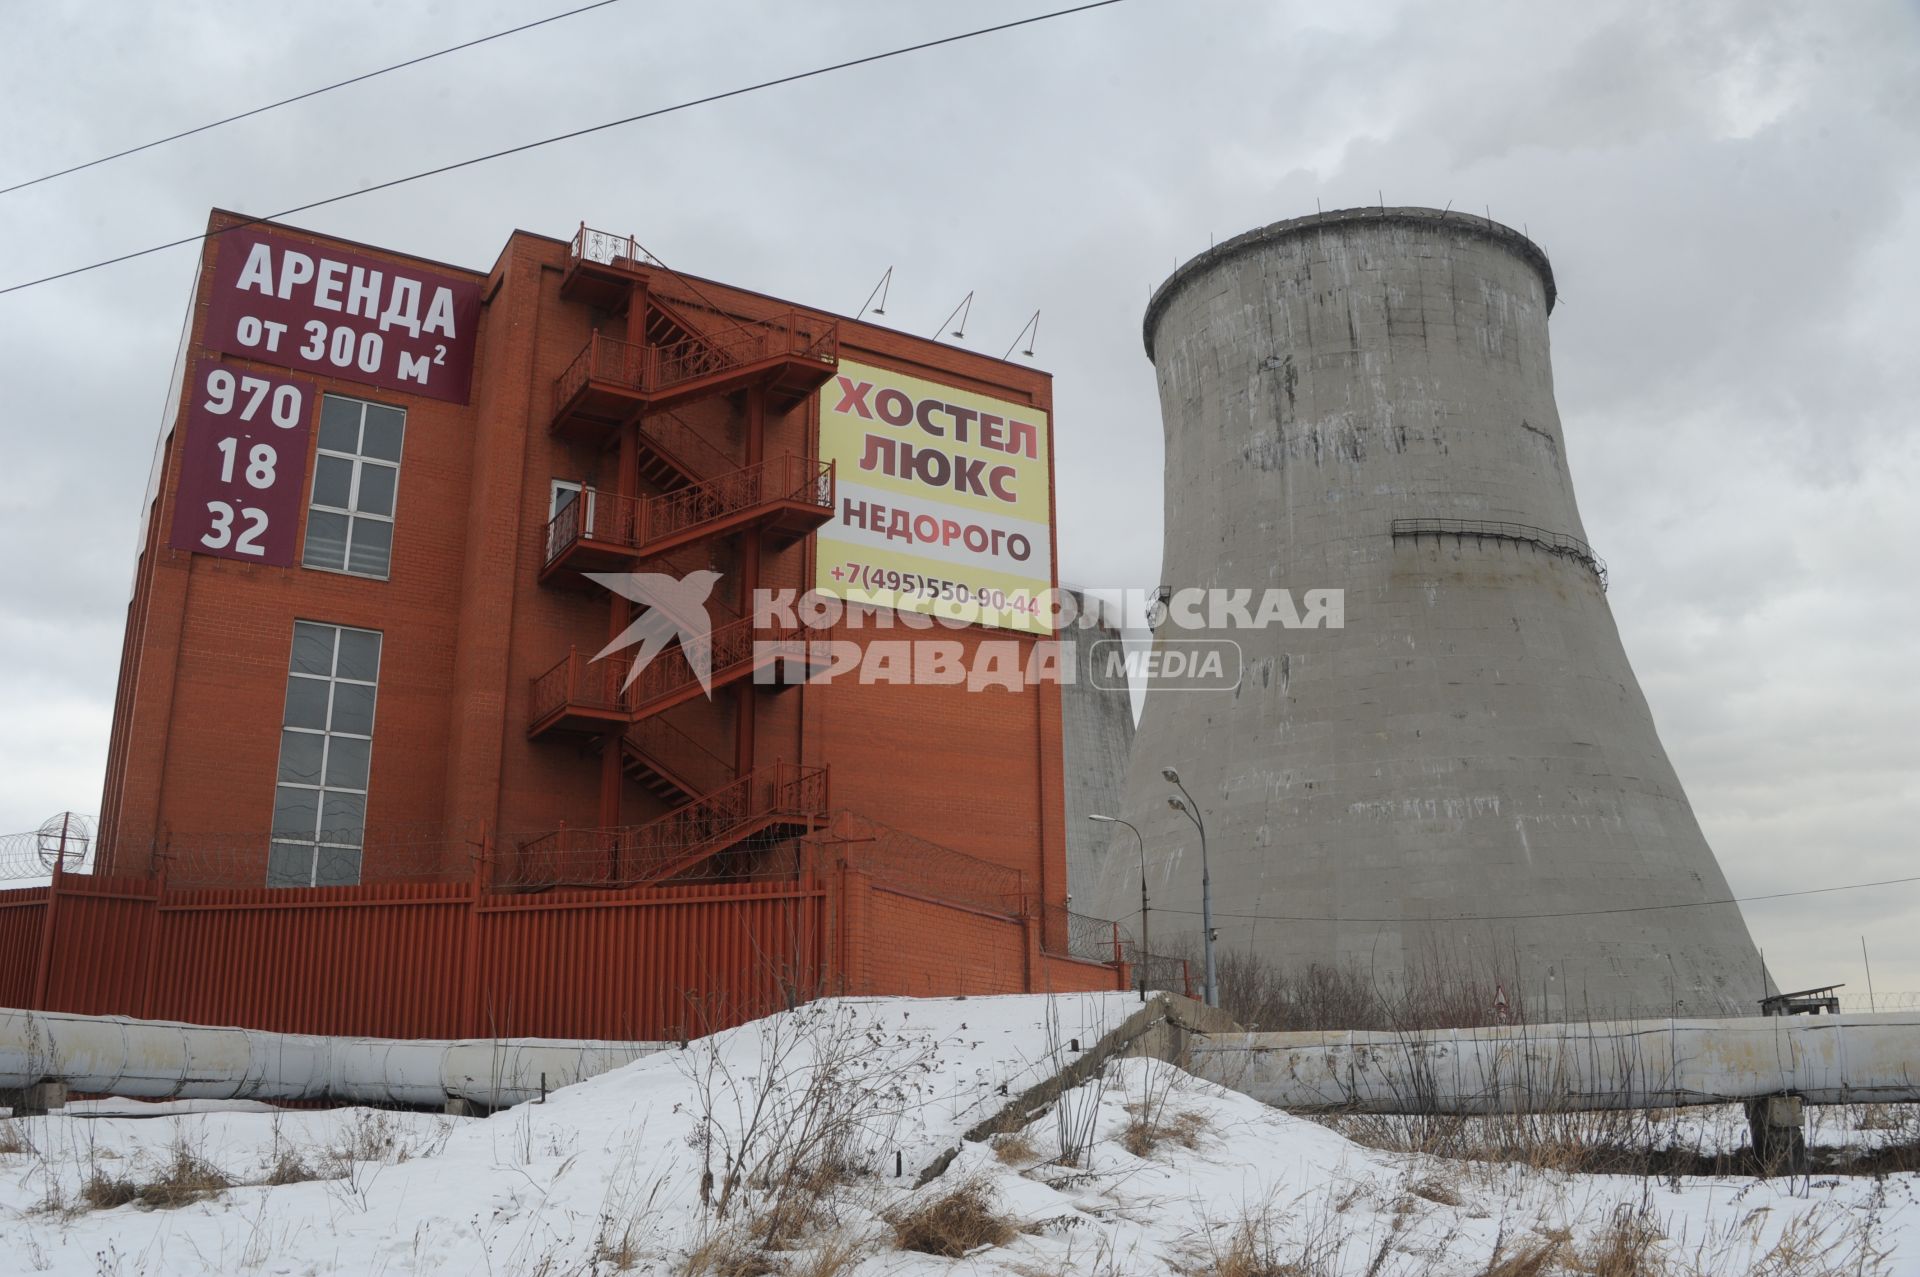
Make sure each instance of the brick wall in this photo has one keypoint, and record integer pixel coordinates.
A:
(467, 626)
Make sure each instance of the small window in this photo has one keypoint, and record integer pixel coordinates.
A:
(356, 478)
(326, 754)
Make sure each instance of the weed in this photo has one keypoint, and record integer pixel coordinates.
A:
(962, 1218)
(185, 1179)
(291, 1168)
(1015, 1148)
(13, 1138)
(1625, 1249)
(727, 1252)
(831, 1256)
(1152, 1117)
(104, 1192)
(1535, 1259)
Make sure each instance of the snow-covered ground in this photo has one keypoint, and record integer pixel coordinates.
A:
(815, 1124)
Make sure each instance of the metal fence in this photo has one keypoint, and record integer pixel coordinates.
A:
(1560, 543)
(66, 841)
(908, 862)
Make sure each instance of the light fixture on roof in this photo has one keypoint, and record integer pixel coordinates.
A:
(963, 310)
(1032, 327)
(880, 290)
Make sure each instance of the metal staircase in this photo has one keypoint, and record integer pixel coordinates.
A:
(680, 489)
(784, 800)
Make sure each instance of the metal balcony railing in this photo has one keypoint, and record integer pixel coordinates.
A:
(579, 682)
(659, 849)
(637, 522)
(1560, 543)
(605, 248)
(654, 370)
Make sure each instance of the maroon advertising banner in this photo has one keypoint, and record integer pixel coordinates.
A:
(343, 314)
(243, 463)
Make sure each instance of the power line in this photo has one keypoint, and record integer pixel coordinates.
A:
(301, 97)
(561, 137)
(1569, 913)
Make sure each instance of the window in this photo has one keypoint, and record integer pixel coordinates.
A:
(564, 532)
(326, 747)
(355, 474)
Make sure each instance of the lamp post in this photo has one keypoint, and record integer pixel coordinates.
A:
(1115, 820)
(1192, 811)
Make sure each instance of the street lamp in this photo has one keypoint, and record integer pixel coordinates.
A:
(1115, 820)
(1191, 810)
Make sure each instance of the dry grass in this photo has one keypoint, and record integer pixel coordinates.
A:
(1625, 1249)
(951, 1223)
(1435, 1191)
(1253, 1249)
(102, 1191)
(289, 1167)
(1437, 991)
(831, 1256)
(727, 1252)
(184, 1180)
(1599, 1143)
(13, 1139)
(1535, 1259)
(1015, 1149)
(1149, 1128)
(618, 1249)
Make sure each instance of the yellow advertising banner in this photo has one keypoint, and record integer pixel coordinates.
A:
(943, 500)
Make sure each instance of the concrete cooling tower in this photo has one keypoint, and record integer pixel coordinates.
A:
(1096, 738)
(1465, 777)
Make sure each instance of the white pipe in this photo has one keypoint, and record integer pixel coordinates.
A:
(164, 1059)
(1824, 1059)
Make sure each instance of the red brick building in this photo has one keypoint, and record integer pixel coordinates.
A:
(364, 644)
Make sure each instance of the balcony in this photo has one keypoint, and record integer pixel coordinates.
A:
(785, 498)
(612, 381)
(581, 694)
(601, 268)
(784, 798)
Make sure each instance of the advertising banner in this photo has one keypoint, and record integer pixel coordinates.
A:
(243, 463)
(324, 310)
(944, 500)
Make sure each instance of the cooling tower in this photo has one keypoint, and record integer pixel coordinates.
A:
(1464, 778)
(1096, 737)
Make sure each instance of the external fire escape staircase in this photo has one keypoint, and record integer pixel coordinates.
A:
(700, 493)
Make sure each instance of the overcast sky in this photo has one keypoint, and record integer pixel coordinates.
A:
(1730, 194)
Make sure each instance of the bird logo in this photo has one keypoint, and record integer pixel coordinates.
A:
(670, 607)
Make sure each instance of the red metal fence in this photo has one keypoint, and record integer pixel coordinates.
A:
(457, 958)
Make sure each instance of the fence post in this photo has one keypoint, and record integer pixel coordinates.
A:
(1030, 941)
(154, 948)
(476, 889)
(43, 963)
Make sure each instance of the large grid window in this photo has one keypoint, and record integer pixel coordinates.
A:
(356, 473)
(326, 746)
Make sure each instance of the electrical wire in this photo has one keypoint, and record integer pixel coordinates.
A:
(560, 137)
(1569, 913)
(302, 97)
